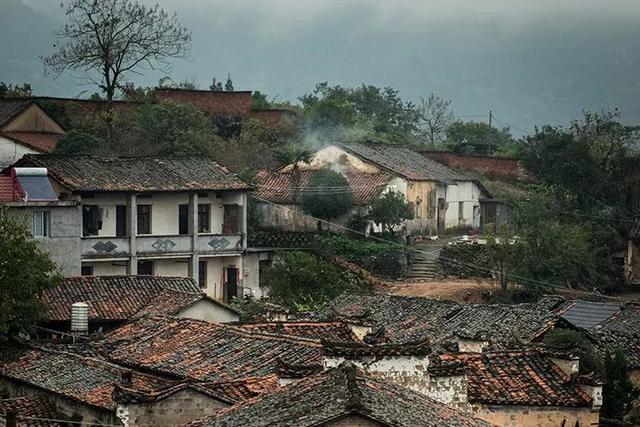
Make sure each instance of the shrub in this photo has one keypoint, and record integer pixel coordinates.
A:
(327, 195)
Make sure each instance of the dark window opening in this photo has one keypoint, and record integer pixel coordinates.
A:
(204, 218)
(231, 286)
(183, 219)
(231, 219)
(91, 220)
(121, 221)
(144, 219)
(202, 274)
(86, 270)
(145, 268)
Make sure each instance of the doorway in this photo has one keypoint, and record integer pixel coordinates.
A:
(231, 285)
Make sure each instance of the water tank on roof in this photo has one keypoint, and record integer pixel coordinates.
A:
(80, 317)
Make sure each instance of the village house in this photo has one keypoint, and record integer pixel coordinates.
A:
(632, 258)
(441, 197)
(181, 216)
(113, 300)
(344, 396)
(25, 128)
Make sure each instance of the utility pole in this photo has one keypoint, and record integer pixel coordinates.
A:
(490, 117)
(490, 137)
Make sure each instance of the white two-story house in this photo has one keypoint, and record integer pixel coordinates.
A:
(173, 216)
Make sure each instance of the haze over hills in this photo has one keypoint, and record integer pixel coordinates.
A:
(530, 63)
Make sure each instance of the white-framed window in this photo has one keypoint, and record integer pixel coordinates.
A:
(41, 224)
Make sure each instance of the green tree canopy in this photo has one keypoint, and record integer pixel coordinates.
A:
(80, 142)
(390, 210)
(332, 109)
(25, 271)
(302, 281)
(14, 90)
(476, 138)
(327, 195)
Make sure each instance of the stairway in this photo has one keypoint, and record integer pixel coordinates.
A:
(423, 266)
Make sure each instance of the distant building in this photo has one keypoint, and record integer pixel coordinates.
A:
(182, 217)
(441, 197)
(25, 128)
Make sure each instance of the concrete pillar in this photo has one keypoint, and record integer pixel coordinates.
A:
(132, 226)
(244, 226)
(193, 228)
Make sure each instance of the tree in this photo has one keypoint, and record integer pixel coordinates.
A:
(80, 142)
(228, 85)
(436, 115)
(476, 138)
(25, 271)
(618, 391)
(216, 86)
(14, 91)
(167, 128)
(327, 195)
(569, 339)
(302, 281)
(503, 250)
(115, 38)
(330, 110)
(259, 101)
(294, 155)
(390, 210)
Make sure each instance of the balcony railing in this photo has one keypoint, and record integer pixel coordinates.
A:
(114, 247)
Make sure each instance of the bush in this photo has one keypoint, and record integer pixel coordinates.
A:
(327, 195)
(565, 339)
(382, 259)
(302, 281)
(465, 261)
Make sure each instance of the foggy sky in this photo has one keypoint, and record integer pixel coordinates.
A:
(531, 62)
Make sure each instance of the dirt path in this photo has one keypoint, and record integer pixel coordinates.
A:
(459, 290)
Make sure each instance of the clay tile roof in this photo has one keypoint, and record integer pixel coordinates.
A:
(84, 379)
(11, 107)
(337, 393)
(27, 407)
(9, 193)
(336, 331)
(351, 348)
(414, 319)
(512, 378)
(121, 298)
(276, 186)
(39, 141)
(243, 389)
(87, 173)
(405, 162)
(203, 351)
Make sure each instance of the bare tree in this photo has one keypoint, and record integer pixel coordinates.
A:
(436, 114)
(114, 38)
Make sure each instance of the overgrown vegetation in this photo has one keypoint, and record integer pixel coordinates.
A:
(327, 195)
(25, 271)
(390, 210)
(302, 281)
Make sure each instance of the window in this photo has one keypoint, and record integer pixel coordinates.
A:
(202, 274)
(204, 218)
(183, 219)
(461, 213)
(86, 270)
(231, 219)
(145, 268)
(144, 219)
(121, 221)
(91, 220)
(41, 224)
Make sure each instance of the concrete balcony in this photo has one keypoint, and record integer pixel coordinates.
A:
(95, 247)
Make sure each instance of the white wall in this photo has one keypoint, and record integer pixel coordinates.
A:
(10, 151)
(170, 267)
(209, 311)
(337, 159)
(468, 193)
(108, 268)
(215, 274)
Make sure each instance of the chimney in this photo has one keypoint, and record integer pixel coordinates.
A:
(80, 318)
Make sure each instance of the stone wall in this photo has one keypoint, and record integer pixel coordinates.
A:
(530, 416)
(180, 408)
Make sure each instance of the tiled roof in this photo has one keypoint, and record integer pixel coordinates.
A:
(337, 393)
(121, 298)
(27, 407)
(588, 314)
(512, 378)
(335, 331)
(276, 186)
(40, 141)
(608, 341)
(205, 351)
(83, 379)
(10, 108)
(86, 173)
(405, 162)
(398, 319)
(352, 348)
(240, 390)
(7, 193)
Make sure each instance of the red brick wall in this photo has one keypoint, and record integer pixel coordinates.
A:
(494, 167)
(235, 103)
(275, 118)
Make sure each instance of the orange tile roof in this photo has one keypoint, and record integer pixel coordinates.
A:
(7, 191)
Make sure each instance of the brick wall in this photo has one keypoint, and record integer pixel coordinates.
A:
(233, 103)
(279, 118)
(177, 409)
(493, 167)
